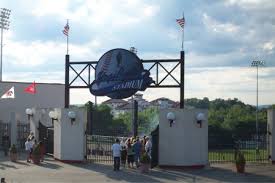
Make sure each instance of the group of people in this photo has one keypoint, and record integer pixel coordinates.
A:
(130, 150)
(30, 144)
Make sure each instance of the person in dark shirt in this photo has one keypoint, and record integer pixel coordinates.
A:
(123, 156)
(137, 147)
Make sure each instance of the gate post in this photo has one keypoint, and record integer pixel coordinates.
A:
(182, 83)
(13, 128)
(67, 88)
(89, 127)
(271, 133)
(135, 119)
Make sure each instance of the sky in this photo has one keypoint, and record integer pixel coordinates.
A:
(221, 39)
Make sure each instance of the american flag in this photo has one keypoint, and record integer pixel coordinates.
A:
(66, 29)
(181, 22)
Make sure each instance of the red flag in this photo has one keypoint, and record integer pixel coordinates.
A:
(31, 88)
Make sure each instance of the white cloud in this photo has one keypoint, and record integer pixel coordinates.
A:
(251, 4)
(35, 53)
(39, 77)
(269, 47)
(50, 7)
(218, 27)
(115, 13)
(31, 53)
(219, 59)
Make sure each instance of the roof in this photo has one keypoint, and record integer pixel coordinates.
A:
(111, 101)
(31, 83)
(163, 99)
(125, 106)
(138, 94)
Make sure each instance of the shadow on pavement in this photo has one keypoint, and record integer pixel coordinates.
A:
(4, 166)
(49, 165)
(220, 174)
(22, 163)
(133, 175)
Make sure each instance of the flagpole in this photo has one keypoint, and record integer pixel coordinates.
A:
(68, 39)
(34, 95)
(182, 39)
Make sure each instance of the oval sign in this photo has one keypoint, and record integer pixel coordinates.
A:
(119, 74)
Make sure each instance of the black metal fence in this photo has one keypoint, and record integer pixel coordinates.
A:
(5, 133)
(253, 150)
(23, 131)
(99, 148)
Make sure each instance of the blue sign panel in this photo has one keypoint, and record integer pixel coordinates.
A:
(119, 74)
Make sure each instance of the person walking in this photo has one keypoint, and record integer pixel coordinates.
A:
(130, 155)
(123, 156)
(137, 147)
(148, 146)
(28, 148)
(116, 148)
(42, 150)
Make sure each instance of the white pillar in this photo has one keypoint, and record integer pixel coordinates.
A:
(13, 135)
(69, 137)
(185, 142)
(34, 124)
(271, 132)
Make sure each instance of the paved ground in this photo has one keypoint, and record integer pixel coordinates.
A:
(52, 171)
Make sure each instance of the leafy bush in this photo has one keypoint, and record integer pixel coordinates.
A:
(13, 149)
(240, 159)
(145, 159)
(36, 150)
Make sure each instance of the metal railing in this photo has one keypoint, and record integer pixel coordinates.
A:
(254, 151)
(99, 148)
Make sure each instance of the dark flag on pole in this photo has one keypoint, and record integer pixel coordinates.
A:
(66, 33)
(181, 22)
(66, 29)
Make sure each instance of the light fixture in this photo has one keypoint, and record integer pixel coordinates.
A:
(4, 25)
(171, 118)
(200, 118)
(53, 116)
(29, 112)
(72, 116)
(257, 64)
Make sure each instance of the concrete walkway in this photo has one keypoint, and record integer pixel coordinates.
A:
(52, 171)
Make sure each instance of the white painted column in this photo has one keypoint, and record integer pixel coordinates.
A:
(33, 120)
(271, 132)
(185, 143)
(13, 124)
(69, 136)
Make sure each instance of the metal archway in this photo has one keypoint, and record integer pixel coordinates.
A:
(90, 66)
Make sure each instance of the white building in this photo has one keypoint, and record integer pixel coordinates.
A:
(114, 104)
(13, 110)
(47, 95)
(142, 103)
(164, 103)
(119, 106)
